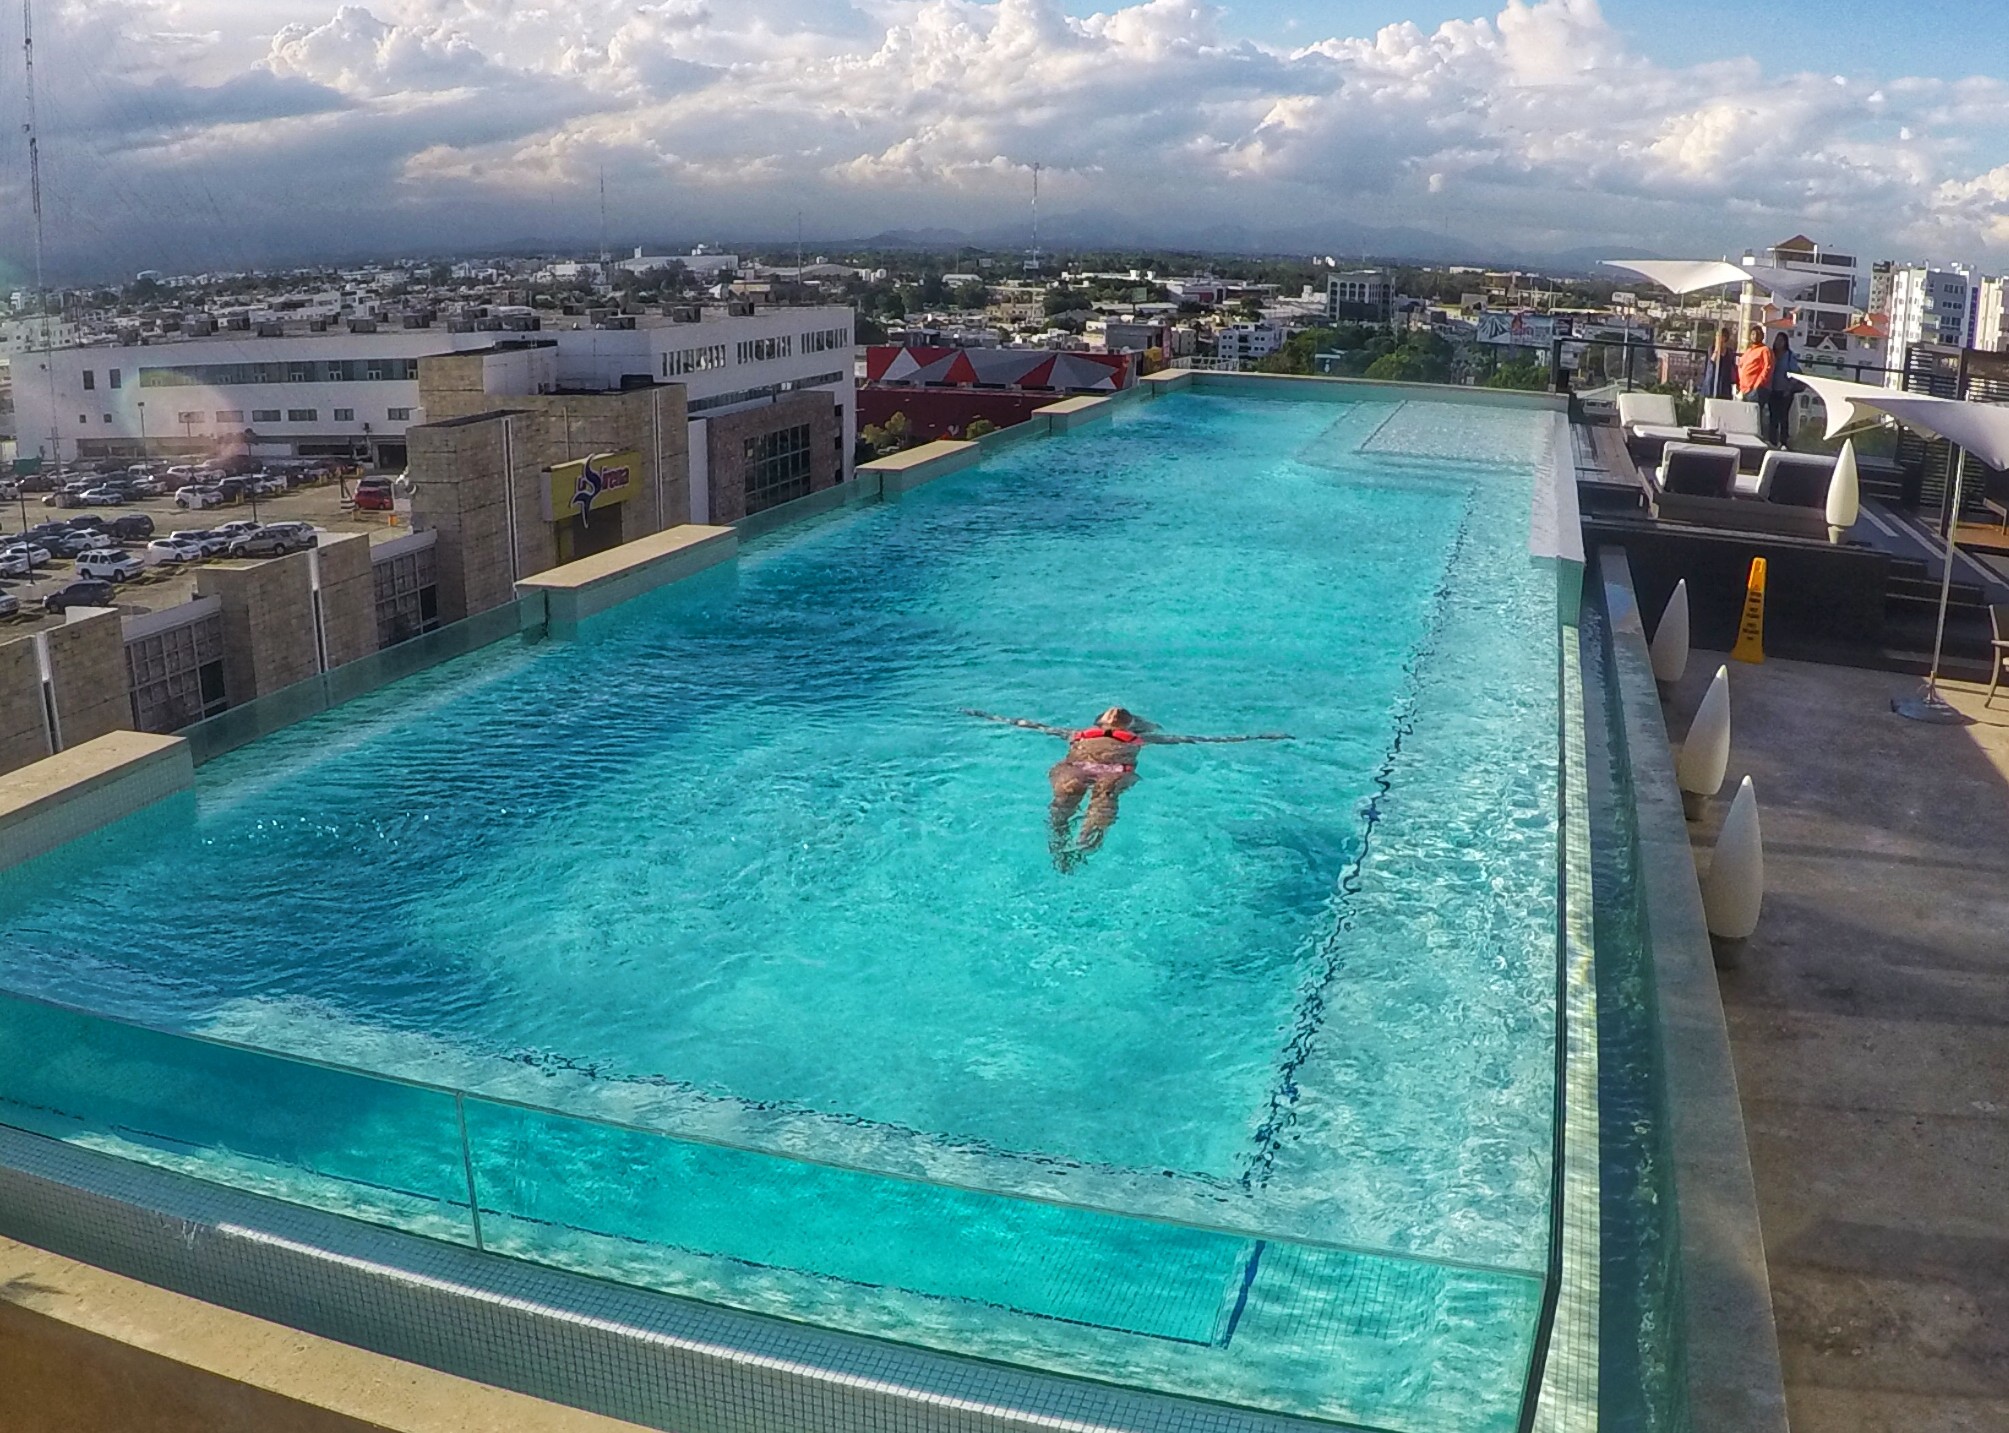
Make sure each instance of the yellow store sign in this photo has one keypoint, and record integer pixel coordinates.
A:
(587, 485)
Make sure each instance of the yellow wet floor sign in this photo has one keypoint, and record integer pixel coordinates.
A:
(1751, 630)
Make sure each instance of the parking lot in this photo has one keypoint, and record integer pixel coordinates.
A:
(325, 505)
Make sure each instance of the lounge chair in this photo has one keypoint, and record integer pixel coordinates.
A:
(1738, 423)
(1998, 650)
(1798, 480)
(1696, 470)
(1649, 424)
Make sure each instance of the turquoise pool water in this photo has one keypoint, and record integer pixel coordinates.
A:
(734, 865)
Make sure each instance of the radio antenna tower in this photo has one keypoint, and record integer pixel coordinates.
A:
(606, 254)
(35, 202)
(1032, 258)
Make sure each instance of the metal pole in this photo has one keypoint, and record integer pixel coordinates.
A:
(467, 1169)
(1946, 576)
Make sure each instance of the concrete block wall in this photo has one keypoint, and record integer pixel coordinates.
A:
(24, 725)
(268, 623)
(87, 675)
(725, 443)
(481, 480)
(348, 598)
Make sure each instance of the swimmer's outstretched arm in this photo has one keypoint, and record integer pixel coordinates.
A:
(1018, 721)
(1159, 738)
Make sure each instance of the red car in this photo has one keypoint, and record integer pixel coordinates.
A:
(375, 495)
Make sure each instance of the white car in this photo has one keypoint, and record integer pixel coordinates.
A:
(197, 498)
(32, 553)
(112, 564)
(177, 547)
(242, 527)
(212, 543)
(11, 566)
(9, 604)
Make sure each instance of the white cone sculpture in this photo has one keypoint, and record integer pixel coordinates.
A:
(1670, 638)
(1705, 756)
(1735, 886)
(1844, 494)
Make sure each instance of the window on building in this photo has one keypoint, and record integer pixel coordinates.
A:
(777, 467)
(300, 373)
(230, 415)
(345, 415)
(759, 350)
(90, 381)
(399, 415)
(376, 369)
(186, 418)
(265, 415)
(114, 375)
(83, 417)
(108, 417)
(303, 415)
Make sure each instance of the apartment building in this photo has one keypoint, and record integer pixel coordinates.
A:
(1821, 316)
(1931, 305)
(1991, 315)
(1350, 293)
(1240, 344)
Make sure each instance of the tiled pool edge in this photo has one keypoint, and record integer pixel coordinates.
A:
(1734, 1380)
(61, 797)
(1567, 1401)
(649, 1358)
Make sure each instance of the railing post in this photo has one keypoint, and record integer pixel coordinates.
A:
(467, 1168)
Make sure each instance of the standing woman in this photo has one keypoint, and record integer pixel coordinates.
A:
(1719, 370)
(1782, 391)
(1754, 370)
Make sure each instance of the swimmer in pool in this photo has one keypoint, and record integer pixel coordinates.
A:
(1101, 764)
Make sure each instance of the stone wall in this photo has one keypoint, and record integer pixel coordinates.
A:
(725, 443)
(481, 480)
(348, 598)
(268, 623)
(24, 727)
(87, 672)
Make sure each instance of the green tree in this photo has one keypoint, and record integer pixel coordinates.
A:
(978, 428)
(1059, 301)
(1522, 373)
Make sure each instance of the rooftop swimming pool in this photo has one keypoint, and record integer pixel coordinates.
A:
(718, 949)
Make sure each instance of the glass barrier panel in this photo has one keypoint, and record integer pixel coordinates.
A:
(310, 1134)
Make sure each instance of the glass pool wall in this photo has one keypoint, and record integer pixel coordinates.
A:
(1315, 1306)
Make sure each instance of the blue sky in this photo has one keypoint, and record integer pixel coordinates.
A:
(1927, 37)
(195, 133)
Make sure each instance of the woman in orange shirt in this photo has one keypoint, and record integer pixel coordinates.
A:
(1754, 368)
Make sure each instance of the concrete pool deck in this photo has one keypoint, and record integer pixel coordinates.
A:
(1869, 1024)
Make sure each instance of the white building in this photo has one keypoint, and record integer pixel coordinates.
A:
(1929, 305)
(349, 394)
(1356, 288)
(1991, 315)
(1821, 315)
(698, 262)
(1241, 344)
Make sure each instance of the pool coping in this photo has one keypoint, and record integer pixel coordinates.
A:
(59, 798)
(1735, 1383)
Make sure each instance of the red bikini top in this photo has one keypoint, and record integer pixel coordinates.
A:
(1112, 733)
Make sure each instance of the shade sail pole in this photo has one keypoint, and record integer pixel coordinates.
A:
(1929, 705)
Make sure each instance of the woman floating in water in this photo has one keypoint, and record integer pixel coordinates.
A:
(1101, 764)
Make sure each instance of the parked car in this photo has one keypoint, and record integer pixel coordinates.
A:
(63, 498)
(375, 495)
(78, 523)
(304, 534)
(9, 490)
(143, 488)
(85, 592)
(112, 563)
(180, 547)
(240, 527)
(197, 497)
(79, 541)
(105, 497)
(9, 604)
(132, 527)
(33, 553)
(13, 564)
(269, 542)
(266, 487)
(42, 532)
(212, 543)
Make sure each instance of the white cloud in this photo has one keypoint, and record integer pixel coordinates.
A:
(1536, 125)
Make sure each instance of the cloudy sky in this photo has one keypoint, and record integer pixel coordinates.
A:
(226, 133)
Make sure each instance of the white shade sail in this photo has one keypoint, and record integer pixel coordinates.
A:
(1847, 403)
(1687, 276)
(1980, 428)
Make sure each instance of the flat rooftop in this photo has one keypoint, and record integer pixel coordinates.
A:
(1869, 1022)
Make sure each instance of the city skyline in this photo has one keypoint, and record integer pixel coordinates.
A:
(220, 134)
